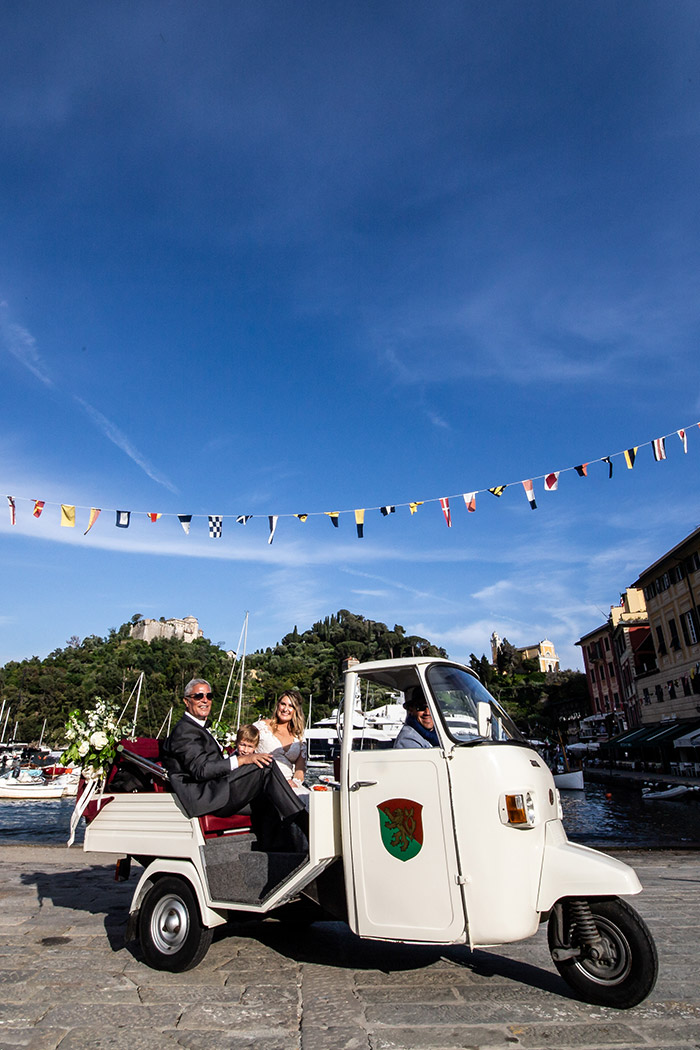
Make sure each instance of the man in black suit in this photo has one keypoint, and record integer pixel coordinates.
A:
(207, 781)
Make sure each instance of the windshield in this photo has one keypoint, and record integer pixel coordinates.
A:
(457, 694)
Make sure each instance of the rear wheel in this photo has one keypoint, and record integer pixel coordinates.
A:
(171, 932)
(619, 970)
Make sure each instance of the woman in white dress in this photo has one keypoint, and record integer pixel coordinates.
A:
(282, 736)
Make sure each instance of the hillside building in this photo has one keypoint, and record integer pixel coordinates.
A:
(543, 652)
(186, 630)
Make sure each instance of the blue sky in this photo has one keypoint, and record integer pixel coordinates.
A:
(270, 258)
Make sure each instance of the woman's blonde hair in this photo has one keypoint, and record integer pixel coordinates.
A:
(297, 722)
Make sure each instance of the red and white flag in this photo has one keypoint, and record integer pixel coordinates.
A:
(153, 517)
(684, 439)
(445, 504)
(38, 507)
(551, 482)
(529, 492)
(659, 447)
(470, 501)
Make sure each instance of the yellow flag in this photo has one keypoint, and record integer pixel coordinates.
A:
(67, 516)
(413, 507)
(301, 517)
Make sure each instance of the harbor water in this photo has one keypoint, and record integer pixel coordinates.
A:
(601, 816)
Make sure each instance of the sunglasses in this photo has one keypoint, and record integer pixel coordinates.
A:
(199, 696)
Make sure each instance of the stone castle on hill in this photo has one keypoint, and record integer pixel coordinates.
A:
(186, 630)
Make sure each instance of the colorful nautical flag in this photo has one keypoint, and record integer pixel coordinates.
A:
(659, 447)
(123, 519)
(469, 501)
(333, 515)
(582, 470)
(185, 520)
(301, 517)
(607, 459)
(94, 515)
(272, 519)
(498, 490)
(67, 516)
(216, 525)
(387, 510)
(413, 507)
(38, 507)
(154, 517)
(684, 439)
(243, 519)
(630, 456)
(360, 522)
(13, 513)
(445, 504)
(530, 493)
(551, 482)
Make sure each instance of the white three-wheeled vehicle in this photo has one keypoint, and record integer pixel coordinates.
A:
(476, 820)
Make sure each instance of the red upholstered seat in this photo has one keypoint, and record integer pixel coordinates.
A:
(212, 826)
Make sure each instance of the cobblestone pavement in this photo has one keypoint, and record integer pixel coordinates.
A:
(66, 979)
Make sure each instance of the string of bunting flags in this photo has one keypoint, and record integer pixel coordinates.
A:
(216, 521)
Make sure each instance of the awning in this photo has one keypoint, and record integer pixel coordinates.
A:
(691, 739)
(665, 734)
(631, 738)
(582, 745)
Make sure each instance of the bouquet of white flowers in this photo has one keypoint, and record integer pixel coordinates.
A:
(92, 738)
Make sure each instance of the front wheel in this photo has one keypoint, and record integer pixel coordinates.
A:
(619, 969)
(171, 933)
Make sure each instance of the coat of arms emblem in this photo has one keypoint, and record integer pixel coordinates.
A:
(401, 827)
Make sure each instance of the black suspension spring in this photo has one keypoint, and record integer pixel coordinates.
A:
(581, 916)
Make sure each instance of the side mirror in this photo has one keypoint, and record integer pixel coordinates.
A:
(483, 717)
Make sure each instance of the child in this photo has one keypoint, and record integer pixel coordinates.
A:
(247, 739)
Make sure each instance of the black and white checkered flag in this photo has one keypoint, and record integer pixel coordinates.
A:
(216, 524)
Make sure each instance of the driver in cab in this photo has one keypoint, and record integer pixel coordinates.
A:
(418, 730)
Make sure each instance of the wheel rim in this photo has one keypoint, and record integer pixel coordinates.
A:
(615, 960)
(170, 924)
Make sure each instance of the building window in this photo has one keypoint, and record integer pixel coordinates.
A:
(662, 583)
(659, 694)
(661, 644)
(647, 698)
(690, 628)
(675, 640)
(686, 686)
(650, 590)
(677, 573)
(607, 645)
(693, 562)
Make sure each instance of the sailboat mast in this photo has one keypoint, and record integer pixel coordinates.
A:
(240, 688)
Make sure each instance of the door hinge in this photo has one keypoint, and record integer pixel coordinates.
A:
(461, 880)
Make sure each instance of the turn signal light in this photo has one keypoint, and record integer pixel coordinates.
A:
(518, 810)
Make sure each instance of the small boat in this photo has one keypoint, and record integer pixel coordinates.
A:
(31, 788)
(570, 780)
(675, 791)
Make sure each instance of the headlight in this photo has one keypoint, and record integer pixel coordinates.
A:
(517, 810)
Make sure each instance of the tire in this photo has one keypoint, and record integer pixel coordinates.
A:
(171, 933)
(626, 972)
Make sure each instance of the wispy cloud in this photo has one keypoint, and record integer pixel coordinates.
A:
(118, 438)
(21, 344)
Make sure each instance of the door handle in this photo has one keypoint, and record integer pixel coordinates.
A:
(362, 784)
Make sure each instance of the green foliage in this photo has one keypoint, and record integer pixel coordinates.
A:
(69, 679)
